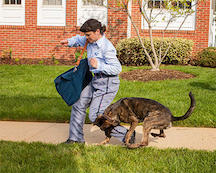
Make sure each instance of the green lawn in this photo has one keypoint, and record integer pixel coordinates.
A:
(27, 93)
(39, 158)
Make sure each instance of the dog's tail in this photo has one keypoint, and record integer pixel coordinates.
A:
(190, 110)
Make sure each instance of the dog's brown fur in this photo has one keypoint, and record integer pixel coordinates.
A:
(135, 110)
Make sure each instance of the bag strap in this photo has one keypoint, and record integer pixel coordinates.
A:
(80, 57)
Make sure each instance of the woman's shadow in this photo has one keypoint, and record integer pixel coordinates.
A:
(203, 85)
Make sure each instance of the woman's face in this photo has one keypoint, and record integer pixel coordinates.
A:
(93, 36)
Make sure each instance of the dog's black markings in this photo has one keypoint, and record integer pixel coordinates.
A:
(134, 110)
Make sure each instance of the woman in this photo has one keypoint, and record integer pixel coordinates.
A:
(100, 92)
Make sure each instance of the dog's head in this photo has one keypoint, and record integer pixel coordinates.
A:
(105, 122)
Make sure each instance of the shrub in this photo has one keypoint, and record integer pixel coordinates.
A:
(78, 53)
(206, 58)
(7, 53)
(130, 51)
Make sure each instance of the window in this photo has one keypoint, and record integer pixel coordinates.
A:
(51, 12)
(12, 2)
(52, 2)
(156, 4)
(162, 4)
(93, 2)
(185, 5)
(12, 12)
(95, 9)
(170, 14)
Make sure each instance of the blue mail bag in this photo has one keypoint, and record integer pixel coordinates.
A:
(71, 83)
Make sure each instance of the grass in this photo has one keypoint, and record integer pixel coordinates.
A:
(27, 93)
(38, 157)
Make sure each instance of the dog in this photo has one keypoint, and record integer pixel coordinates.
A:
(134, 110)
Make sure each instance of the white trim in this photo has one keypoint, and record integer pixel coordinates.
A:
(12, 14)
(51, 15)
(128, 20)
(211, 36)
(85, 12)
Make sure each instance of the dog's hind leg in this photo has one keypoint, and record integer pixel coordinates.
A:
(150, 122)
(161, 134)
(153, 121)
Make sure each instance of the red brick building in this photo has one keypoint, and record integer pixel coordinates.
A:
(33, 28)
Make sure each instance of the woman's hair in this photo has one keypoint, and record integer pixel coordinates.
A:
(93, 25)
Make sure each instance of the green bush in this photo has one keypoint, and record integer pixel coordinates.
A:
(206, 58)
(130, 51)
(78, 53)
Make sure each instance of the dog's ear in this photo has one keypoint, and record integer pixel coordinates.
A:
(115, 122)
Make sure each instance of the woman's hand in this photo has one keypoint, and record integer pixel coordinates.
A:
(93, 62)
(63, 42)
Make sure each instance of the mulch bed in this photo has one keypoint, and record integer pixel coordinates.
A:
(138, 75)
(147, 75)
(44, 61)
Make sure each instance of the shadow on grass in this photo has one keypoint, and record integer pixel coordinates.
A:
(35, 108)
(203, 85)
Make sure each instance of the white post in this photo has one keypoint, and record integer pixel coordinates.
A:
(129, 21)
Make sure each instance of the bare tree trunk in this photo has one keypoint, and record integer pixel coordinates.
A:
(140, 40)
(155, 64)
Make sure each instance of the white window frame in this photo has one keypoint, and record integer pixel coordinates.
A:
(12, 14)
(45, 17)
(190, 19)
(82, 14)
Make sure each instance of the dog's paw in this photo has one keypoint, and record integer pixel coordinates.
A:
(158, 135)
(104, 142)
(154, 135)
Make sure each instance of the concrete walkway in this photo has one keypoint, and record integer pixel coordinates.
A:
(55, 133)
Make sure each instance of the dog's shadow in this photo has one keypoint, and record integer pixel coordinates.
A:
(93, 135)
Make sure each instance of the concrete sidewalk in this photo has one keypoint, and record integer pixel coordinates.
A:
(55, 133)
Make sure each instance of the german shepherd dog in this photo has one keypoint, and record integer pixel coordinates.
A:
(135, 110)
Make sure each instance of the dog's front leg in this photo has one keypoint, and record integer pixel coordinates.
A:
(134, 123)
(108, 136)
(107, 139)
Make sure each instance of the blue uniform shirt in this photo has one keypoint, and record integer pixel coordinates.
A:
(103, 50)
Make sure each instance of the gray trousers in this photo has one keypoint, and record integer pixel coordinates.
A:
(97, 95)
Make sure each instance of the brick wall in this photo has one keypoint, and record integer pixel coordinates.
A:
(32, 41)
(117, 24)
